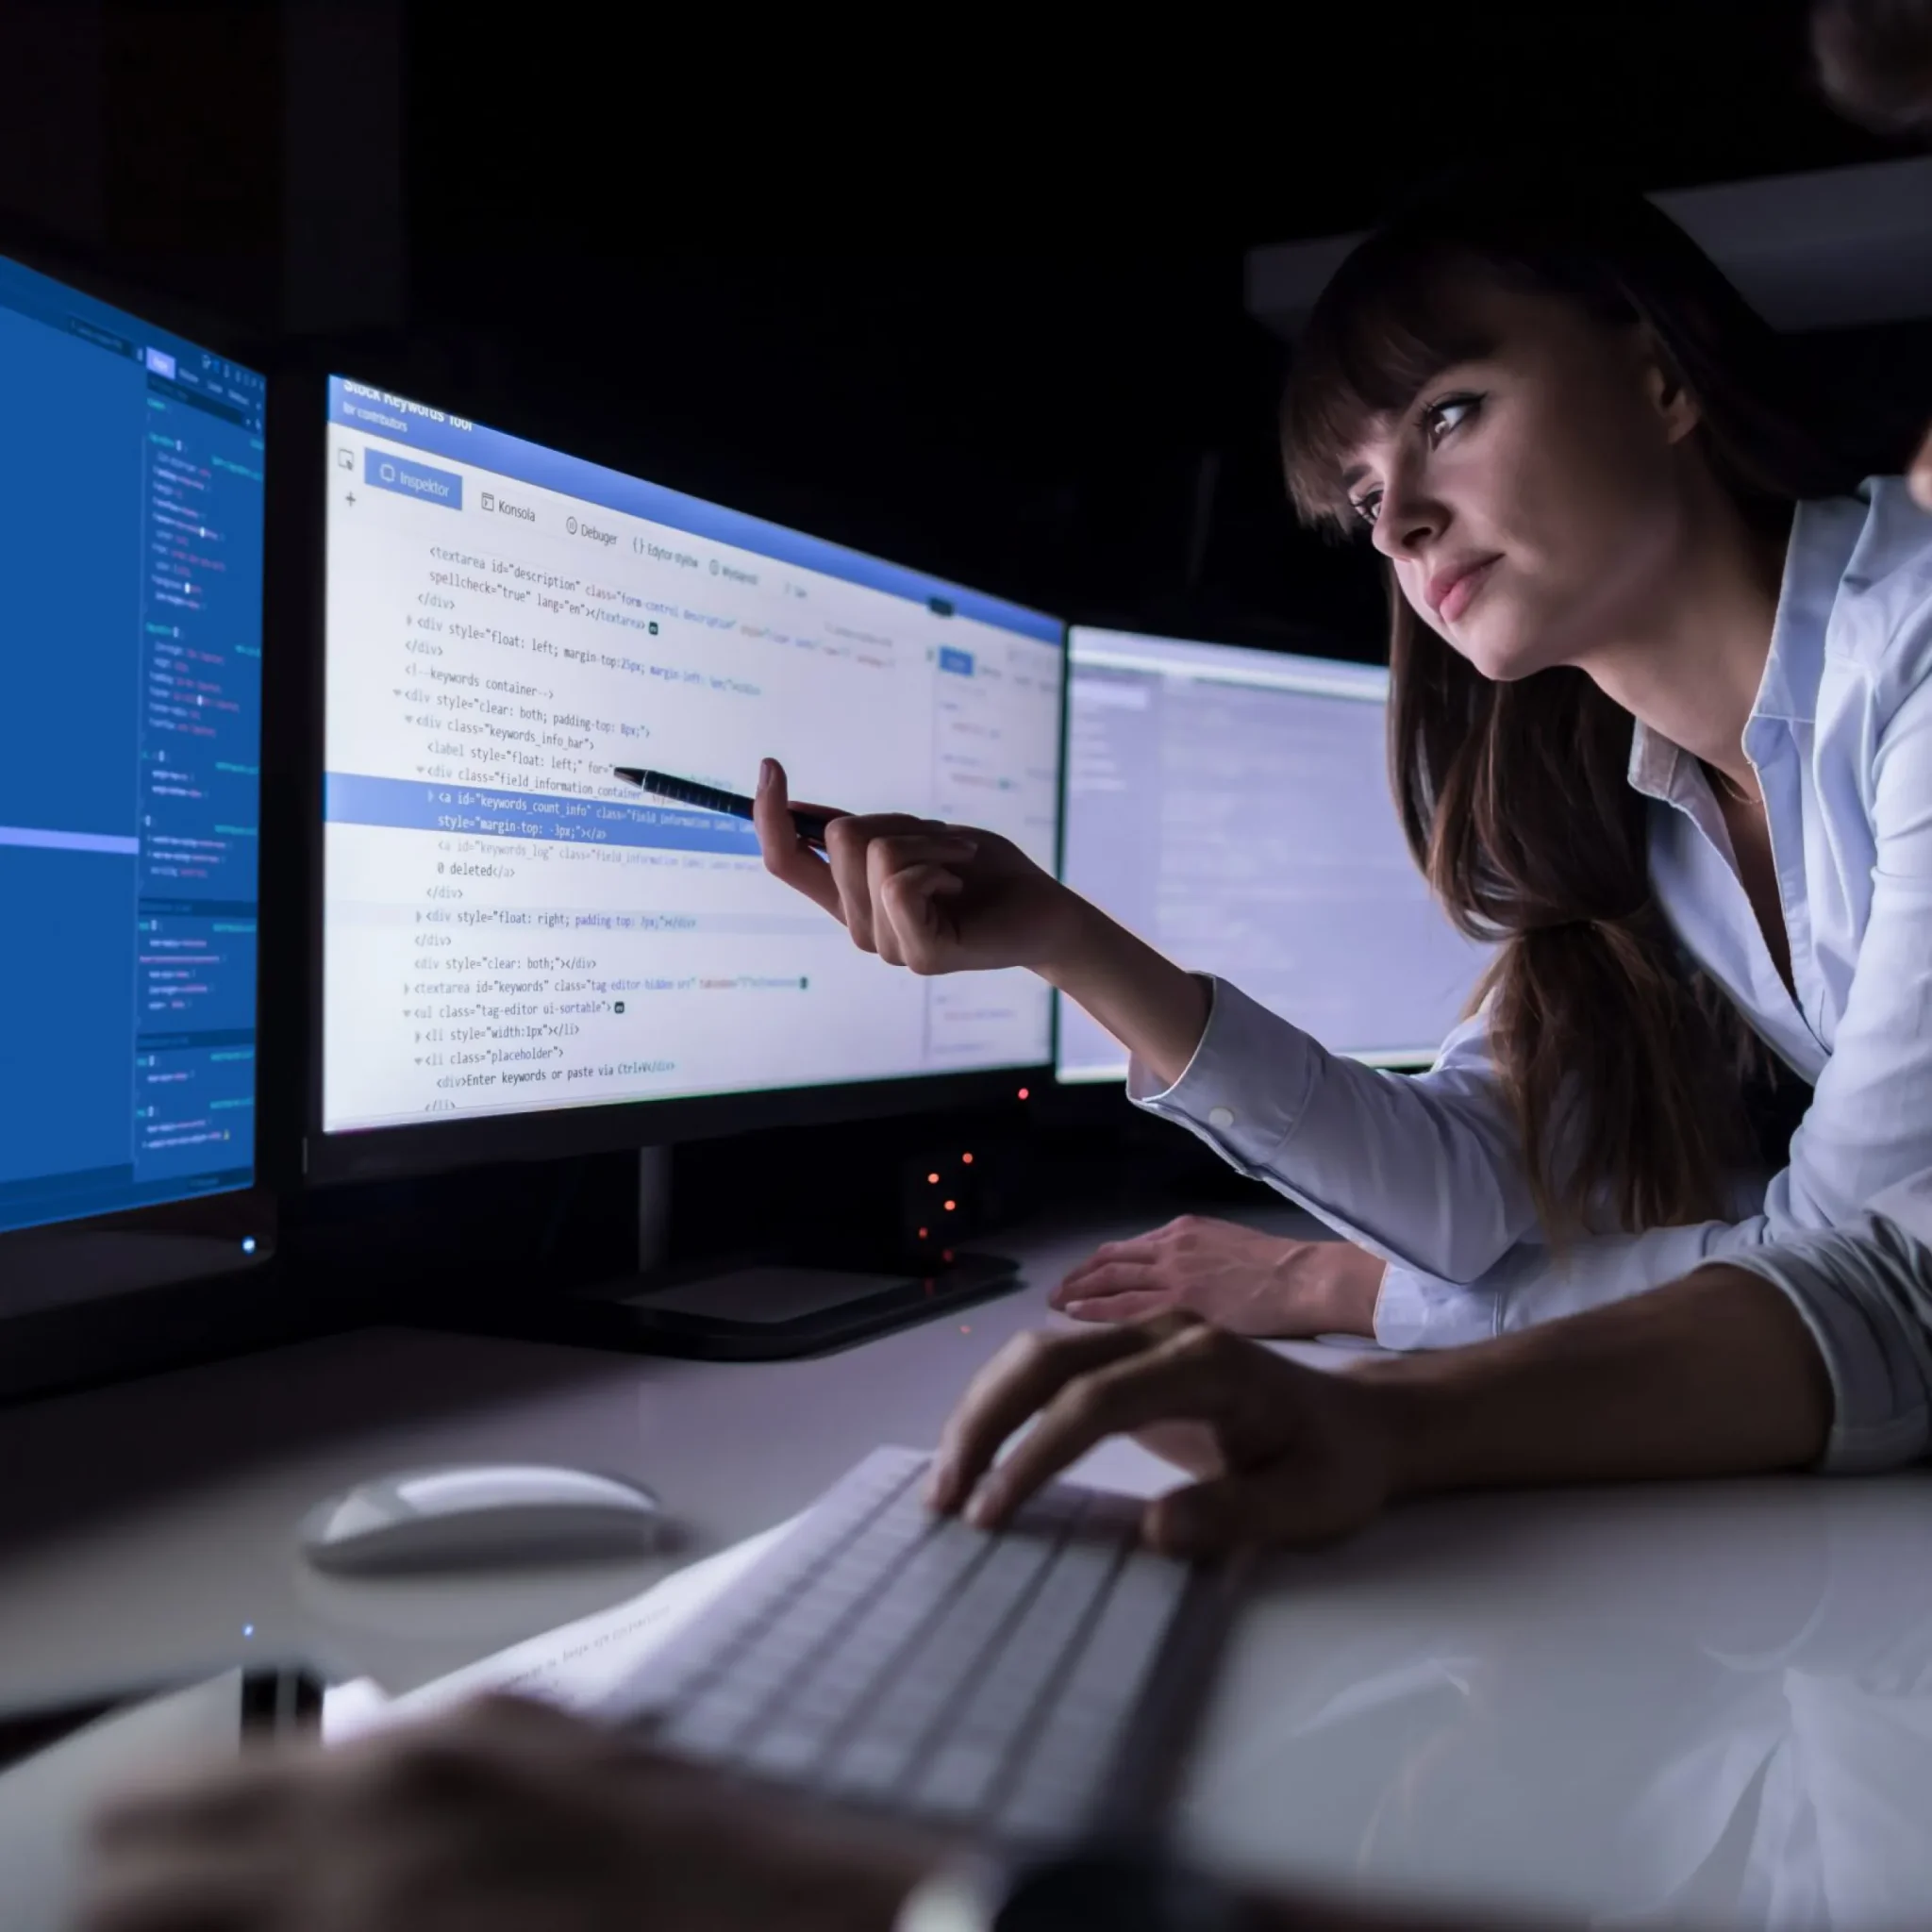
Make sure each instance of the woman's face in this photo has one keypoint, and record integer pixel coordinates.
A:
(1533, 503)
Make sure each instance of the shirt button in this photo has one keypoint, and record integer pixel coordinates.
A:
(1221, 1117)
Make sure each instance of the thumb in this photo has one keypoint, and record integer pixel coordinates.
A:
(1300, 1501)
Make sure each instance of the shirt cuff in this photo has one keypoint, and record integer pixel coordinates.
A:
(1245, 1088)
(1419, 1311)
(1863, 1291)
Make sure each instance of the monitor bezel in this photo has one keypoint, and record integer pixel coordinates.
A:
(195, 1236)
(396, 1151)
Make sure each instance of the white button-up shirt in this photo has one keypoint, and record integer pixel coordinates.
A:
(1426, 1170)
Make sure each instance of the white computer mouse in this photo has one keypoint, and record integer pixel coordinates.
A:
(481, 1514)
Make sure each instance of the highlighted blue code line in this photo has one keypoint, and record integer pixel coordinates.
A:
(351, 798)
(44, 839)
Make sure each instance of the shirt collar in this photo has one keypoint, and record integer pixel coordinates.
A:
(1814, 569)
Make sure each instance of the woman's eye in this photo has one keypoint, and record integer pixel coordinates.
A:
(1452, 412)
(1368, 507)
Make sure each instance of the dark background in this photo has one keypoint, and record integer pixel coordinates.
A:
(964, 290)
(966, 293)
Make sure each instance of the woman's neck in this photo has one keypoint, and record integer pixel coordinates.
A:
(1690, 667)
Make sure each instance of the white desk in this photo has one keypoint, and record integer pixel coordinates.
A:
(1715, 1699)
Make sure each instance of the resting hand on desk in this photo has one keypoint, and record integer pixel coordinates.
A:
(1236, 1277)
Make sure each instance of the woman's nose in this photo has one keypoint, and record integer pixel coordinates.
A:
(1409, 523)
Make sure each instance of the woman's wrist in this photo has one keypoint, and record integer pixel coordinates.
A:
(1342, 1284)
(1076, 938)
(1082, 943)
(1155, 1009)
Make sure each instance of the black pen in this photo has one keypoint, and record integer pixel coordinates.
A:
(811, 827)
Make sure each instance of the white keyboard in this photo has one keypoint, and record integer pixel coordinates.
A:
(1034, 1683)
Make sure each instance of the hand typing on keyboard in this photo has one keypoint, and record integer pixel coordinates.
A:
(1281, 1453)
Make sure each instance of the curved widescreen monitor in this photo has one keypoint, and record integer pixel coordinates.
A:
(132, 506)
(1232, 807)
(510, 934)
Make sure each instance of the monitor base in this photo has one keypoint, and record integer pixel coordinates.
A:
(768, 1314)
(749, 1314)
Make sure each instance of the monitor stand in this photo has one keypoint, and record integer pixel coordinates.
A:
(763, 1311)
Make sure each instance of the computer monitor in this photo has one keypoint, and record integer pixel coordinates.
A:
(132, 506)
(520, 953)
(1232, 807)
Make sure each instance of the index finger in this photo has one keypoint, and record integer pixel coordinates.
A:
(1139, 1250)
(1184, 1378)
(1023, 1378)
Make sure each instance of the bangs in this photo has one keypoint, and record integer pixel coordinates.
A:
(1415, 297)
(1392, 318)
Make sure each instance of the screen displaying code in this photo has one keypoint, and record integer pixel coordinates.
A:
(508, 925)
(132, 512)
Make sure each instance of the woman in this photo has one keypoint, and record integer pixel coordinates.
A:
(1660, 723)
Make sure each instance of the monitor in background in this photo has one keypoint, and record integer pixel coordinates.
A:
(132, 507)
(510, 933)
(1232, 807)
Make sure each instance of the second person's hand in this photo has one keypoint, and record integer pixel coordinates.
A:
(500, 1817)
(918, 893)
(1281, 1453)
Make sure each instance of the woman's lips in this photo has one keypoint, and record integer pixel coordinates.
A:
(1456, 599)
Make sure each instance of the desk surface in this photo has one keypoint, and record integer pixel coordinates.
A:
(1711, 1701)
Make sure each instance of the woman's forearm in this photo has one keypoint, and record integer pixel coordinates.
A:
(1155, 1008)
(1713, 1374)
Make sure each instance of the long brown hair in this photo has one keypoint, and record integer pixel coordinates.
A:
(1623, 1064)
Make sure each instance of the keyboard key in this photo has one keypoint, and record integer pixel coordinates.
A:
(958, 1781)
(871, 1768)
(836, 1519)
(1126, 1635)
(1039, 1643)
(786, 1750)
(945, 1658)
(873, 1642)
(707, 1729)
(1047, 1807)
